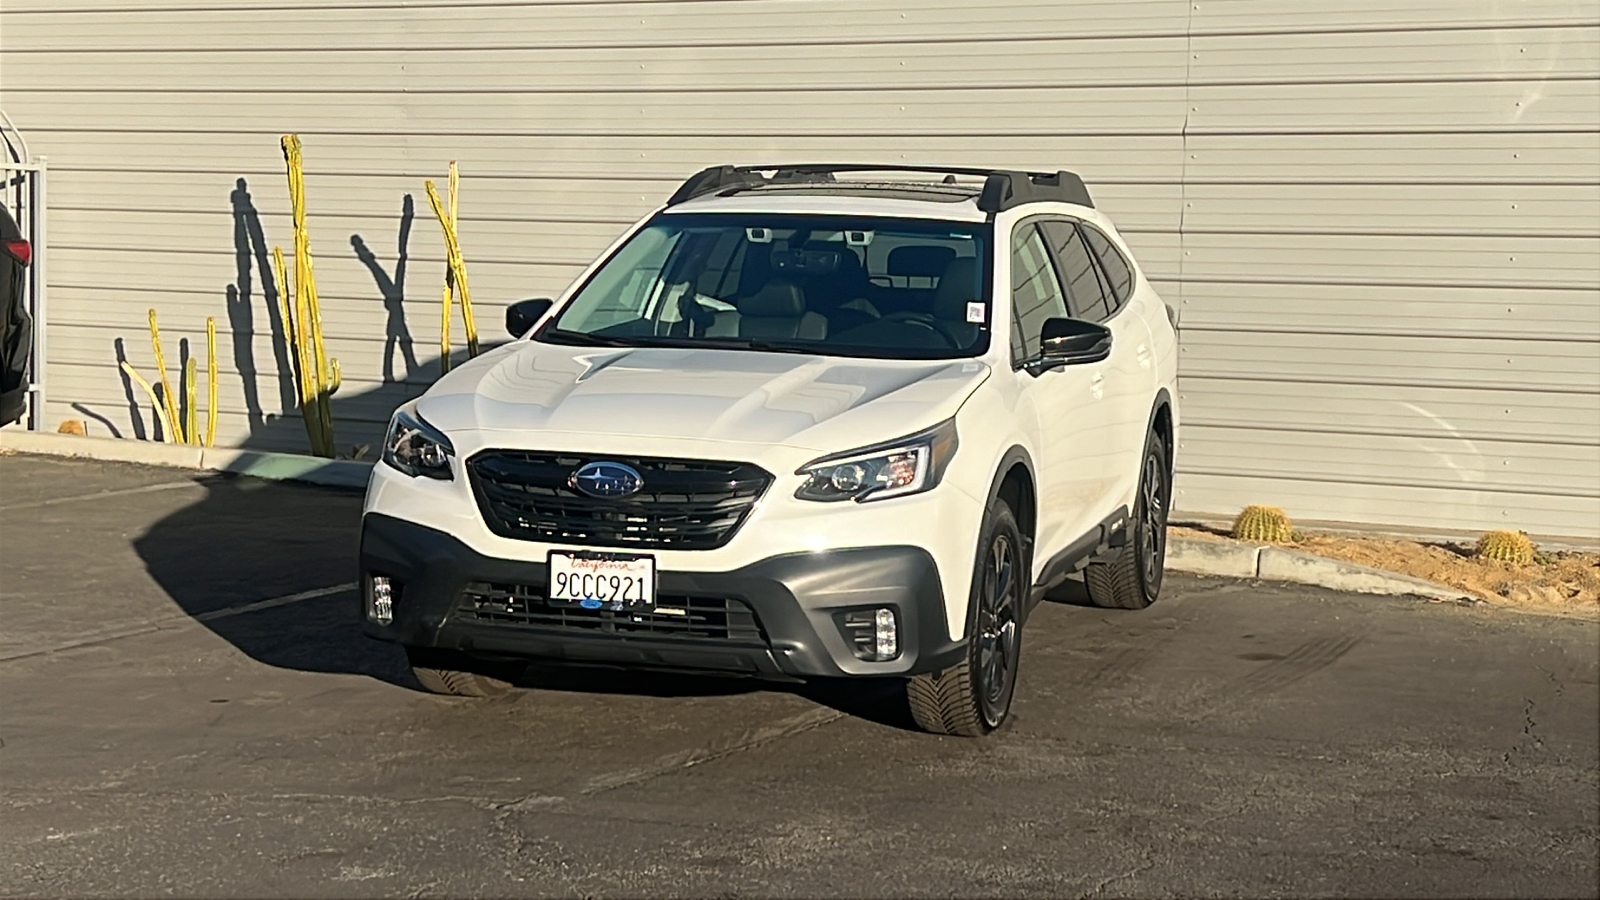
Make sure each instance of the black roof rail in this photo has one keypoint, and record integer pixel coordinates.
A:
(1002, 189)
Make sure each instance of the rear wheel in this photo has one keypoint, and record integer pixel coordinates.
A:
(456, 674)
(973, 697)
(1132, 579)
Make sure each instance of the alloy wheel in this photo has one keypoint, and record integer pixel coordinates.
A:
(1152, 520)
(997, 630)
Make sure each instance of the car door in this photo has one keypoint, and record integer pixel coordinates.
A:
(1123, 384)
(1075, 421)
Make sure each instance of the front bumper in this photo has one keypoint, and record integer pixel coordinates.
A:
(794, 598)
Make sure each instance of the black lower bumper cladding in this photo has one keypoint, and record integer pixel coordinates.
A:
(776, 618)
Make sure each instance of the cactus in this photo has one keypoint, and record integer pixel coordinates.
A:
(1507, 546)
(318, 375)
(181, 424)
(191, 427)
(155, 402)
(169, 399)
(1263, 523)
(211, 381)
(456, 271)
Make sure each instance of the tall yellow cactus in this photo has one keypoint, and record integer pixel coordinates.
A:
(456, 273)
(211, 381)
(170, 399)
(318, 377)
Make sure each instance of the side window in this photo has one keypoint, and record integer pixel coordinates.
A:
(1118, 273)
(1035, 291)
(1085, 296)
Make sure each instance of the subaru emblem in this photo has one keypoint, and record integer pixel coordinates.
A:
(606, 480)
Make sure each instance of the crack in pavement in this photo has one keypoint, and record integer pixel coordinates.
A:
(1528, 725)
(1144, 866)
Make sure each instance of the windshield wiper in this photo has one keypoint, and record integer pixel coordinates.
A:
(751, 344)
(581, 339)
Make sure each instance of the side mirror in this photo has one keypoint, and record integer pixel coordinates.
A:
(524, 314)
(1070, 342)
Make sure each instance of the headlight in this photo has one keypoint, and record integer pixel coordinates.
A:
(907, 466)
(417, 448)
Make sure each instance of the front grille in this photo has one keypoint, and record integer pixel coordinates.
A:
(685, 504)
(696, 618)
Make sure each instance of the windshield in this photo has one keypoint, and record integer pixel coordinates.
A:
(858, 286)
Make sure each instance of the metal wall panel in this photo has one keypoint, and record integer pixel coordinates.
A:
(1380, 219)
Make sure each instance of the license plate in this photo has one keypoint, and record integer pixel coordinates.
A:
(613, 581)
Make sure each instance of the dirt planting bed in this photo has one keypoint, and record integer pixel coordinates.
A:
(1562, 579)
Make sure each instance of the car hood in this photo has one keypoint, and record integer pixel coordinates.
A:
(813, 402)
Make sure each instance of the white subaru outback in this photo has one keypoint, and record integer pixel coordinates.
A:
(802, 422)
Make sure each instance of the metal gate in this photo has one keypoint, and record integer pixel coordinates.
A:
(24, 189)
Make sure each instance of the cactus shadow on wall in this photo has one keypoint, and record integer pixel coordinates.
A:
(360, 414)
(397, 336)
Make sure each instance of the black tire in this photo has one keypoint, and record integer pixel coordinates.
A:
(458, 675)
(1132, 579)
(973, 697)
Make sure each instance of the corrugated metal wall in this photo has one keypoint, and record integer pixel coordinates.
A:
(1381, 218)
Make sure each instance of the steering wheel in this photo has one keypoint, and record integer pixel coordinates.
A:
(924, 320)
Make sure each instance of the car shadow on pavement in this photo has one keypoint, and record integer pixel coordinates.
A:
(249, 541)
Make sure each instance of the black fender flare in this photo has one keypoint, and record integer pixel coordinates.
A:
(1017, 454)
(1164, 401)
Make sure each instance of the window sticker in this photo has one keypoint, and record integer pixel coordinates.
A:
(975, 313)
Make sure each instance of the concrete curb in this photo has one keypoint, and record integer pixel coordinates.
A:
(1241, 560)
(344, 473)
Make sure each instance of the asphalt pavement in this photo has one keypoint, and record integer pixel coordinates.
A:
(187, 708)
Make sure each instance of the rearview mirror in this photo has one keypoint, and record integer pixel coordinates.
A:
(1070, 342)
(524, 314)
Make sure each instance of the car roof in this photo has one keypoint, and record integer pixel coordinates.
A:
(959, 193)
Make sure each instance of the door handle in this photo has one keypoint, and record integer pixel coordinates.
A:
(1097, 386)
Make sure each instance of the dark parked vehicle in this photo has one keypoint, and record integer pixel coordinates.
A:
(16, 326)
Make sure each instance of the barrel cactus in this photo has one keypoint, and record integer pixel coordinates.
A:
(1263, 523)
(1506, 546)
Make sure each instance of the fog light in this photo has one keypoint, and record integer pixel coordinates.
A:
(874, 634)
(885, 640)
(380, 599)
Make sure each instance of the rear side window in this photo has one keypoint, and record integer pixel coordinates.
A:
(1084, 293)
(1118, 273)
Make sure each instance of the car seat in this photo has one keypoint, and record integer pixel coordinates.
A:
(840, 295)
(779, 310)
(911, 270)
(958, 286)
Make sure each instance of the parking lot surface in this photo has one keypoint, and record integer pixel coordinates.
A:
(186, 707)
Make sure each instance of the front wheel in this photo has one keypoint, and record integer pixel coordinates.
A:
(1132, 579)
(973, 697)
